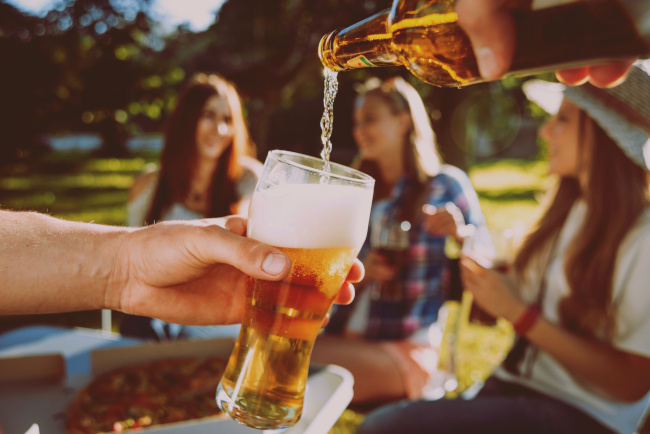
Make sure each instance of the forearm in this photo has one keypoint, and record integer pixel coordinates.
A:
(51, 265)
(620, 375)
(617, 374)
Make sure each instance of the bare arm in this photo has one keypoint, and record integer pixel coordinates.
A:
(50, 265)
(189, 272)
(621, 375)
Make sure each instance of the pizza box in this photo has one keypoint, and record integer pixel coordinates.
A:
(35, 390)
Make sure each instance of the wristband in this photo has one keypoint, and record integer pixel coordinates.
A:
(527, 320)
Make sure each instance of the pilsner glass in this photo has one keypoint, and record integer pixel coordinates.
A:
(320, 220)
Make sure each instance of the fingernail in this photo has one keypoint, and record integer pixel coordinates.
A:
(274, 263)
(487, 62)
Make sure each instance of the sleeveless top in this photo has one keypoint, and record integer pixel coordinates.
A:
(138, 207)
(631, 301)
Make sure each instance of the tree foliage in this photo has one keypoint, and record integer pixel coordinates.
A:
(107, 66)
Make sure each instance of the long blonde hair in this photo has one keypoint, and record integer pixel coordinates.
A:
(421, 158)
(615, 196)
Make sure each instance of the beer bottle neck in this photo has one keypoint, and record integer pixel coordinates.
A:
(362, 45)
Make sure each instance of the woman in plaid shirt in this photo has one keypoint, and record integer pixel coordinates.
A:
(382, 338)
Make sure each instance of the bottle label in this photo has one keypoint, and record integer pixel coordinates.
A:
(359, 62)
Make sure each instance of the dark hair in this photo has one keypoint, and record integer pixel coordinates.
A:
(179, 157)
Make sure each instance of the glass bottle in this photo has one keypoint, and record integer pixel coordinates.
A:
(424, 36)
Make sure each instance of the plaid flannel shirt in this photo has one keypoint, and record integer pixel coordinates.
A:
(423, 277)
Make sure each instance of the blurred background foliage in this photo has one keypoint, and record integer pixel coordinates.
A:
(108, 67)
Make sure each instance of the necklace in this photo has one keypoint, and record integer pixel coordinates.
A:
(197, 197)
(197, 201)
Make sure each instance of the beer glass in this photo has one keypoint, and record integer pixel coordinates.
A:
(319, 219)
(389, 237)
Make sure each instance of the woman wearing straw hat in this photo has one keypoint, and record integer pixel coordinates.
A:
(579, 296)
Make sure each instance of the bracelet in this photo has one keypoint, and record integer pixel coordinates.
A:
(527, 320)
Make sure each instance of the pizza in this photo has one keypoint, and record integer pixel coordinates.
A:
(152, 393)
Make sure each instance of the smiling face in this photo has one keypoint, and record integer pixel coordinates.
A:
(214, 130)
(563, 136)
(378, 132)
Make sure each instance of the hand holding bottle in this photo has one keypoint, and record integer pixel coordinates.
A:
(461, 42)
(489, 26)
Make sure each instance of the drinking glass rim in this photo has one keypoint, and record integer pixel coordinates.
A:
(363, 178)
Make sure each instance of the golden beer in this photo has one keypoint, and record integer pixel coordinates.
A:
(320, 226)
(279, 327)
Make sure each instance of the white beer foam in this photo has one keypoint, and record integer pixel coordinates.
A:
(310, 216)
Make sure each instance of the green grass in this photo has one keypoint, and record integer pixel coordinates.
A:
(72, 186)
(82, 188)
(509, 191)
(78, 187)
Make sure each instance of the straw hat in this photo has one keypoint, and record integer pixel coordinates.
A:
(623, 112)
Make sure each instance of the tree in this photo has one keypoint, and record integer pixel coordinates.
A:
(268, 48)
(105, 65)
(85, 66)
(26, 82)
